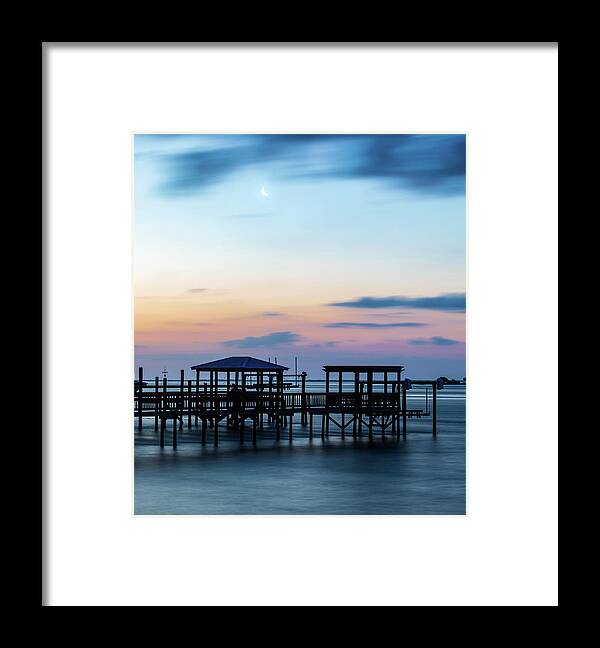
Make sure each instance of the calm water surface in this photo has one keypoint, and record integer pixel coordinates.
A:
(418, 476)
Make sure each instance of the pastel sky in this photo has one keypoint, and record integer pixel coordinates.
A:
(355, 255)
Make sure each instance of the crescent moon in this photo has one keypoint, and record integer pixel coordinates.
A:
(263, 191)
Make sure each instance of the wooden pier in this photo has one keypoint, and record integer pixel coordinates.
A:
(242, 393)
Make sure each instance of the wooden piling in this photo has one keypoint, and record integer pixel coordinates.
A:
(189, 403)
(197, 397)
(340, 397)
(164, 404)
(370, 402)
(181, 395)
(262, 401)
(216, 411)
(356, 402)
(434, 409)
(404, 411)
(303, 400)
(271, 408)
(140, 396)
(326, 420)
(156, 404)
(206, 397)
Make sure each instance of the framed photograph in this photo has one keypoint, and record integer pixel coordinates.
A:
(272, 271)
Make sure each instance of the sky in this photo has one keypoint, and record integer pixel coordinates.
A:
(345, 249)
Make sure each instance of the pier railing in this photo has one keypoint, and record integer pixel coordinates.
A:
(213, 404)
(150, 401)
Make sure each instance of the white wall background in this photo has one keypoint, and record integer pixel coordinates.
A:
(504, 552)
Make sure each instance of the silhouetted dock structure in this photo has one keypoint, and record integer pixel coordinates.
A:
(239, 393)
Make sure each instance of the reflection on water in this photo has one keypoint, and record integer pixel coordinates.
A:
(417, 476)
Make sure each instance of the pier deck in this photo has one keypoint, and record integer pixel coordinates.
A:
(248, 400)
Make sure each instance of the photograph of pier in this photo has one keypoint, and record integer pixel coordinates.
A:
(300, 305)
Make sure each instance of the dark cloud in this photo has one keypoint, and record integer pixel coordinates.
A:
(448, 302)
(193, 170)
(272, 314)
(435, 340)
(271, 339)
(428, 164)
(373, 325)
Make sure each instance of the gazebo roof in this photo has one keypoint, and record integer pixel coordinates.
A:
(239, 363)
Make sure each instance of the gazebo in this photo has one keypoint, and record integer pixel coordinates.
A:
(383, 408)
(244, 372)
(388, 372)
(240, 387)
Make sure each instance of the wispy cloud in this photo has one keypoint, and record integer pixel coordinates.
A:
(196, 290)
(271, 314)
(427, 164)
(269, 340)
(329, 344)
(375, 325)
(436, 340)
(446, 302)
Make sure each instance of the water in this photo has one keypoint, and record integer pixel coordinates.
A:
(420, 475)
